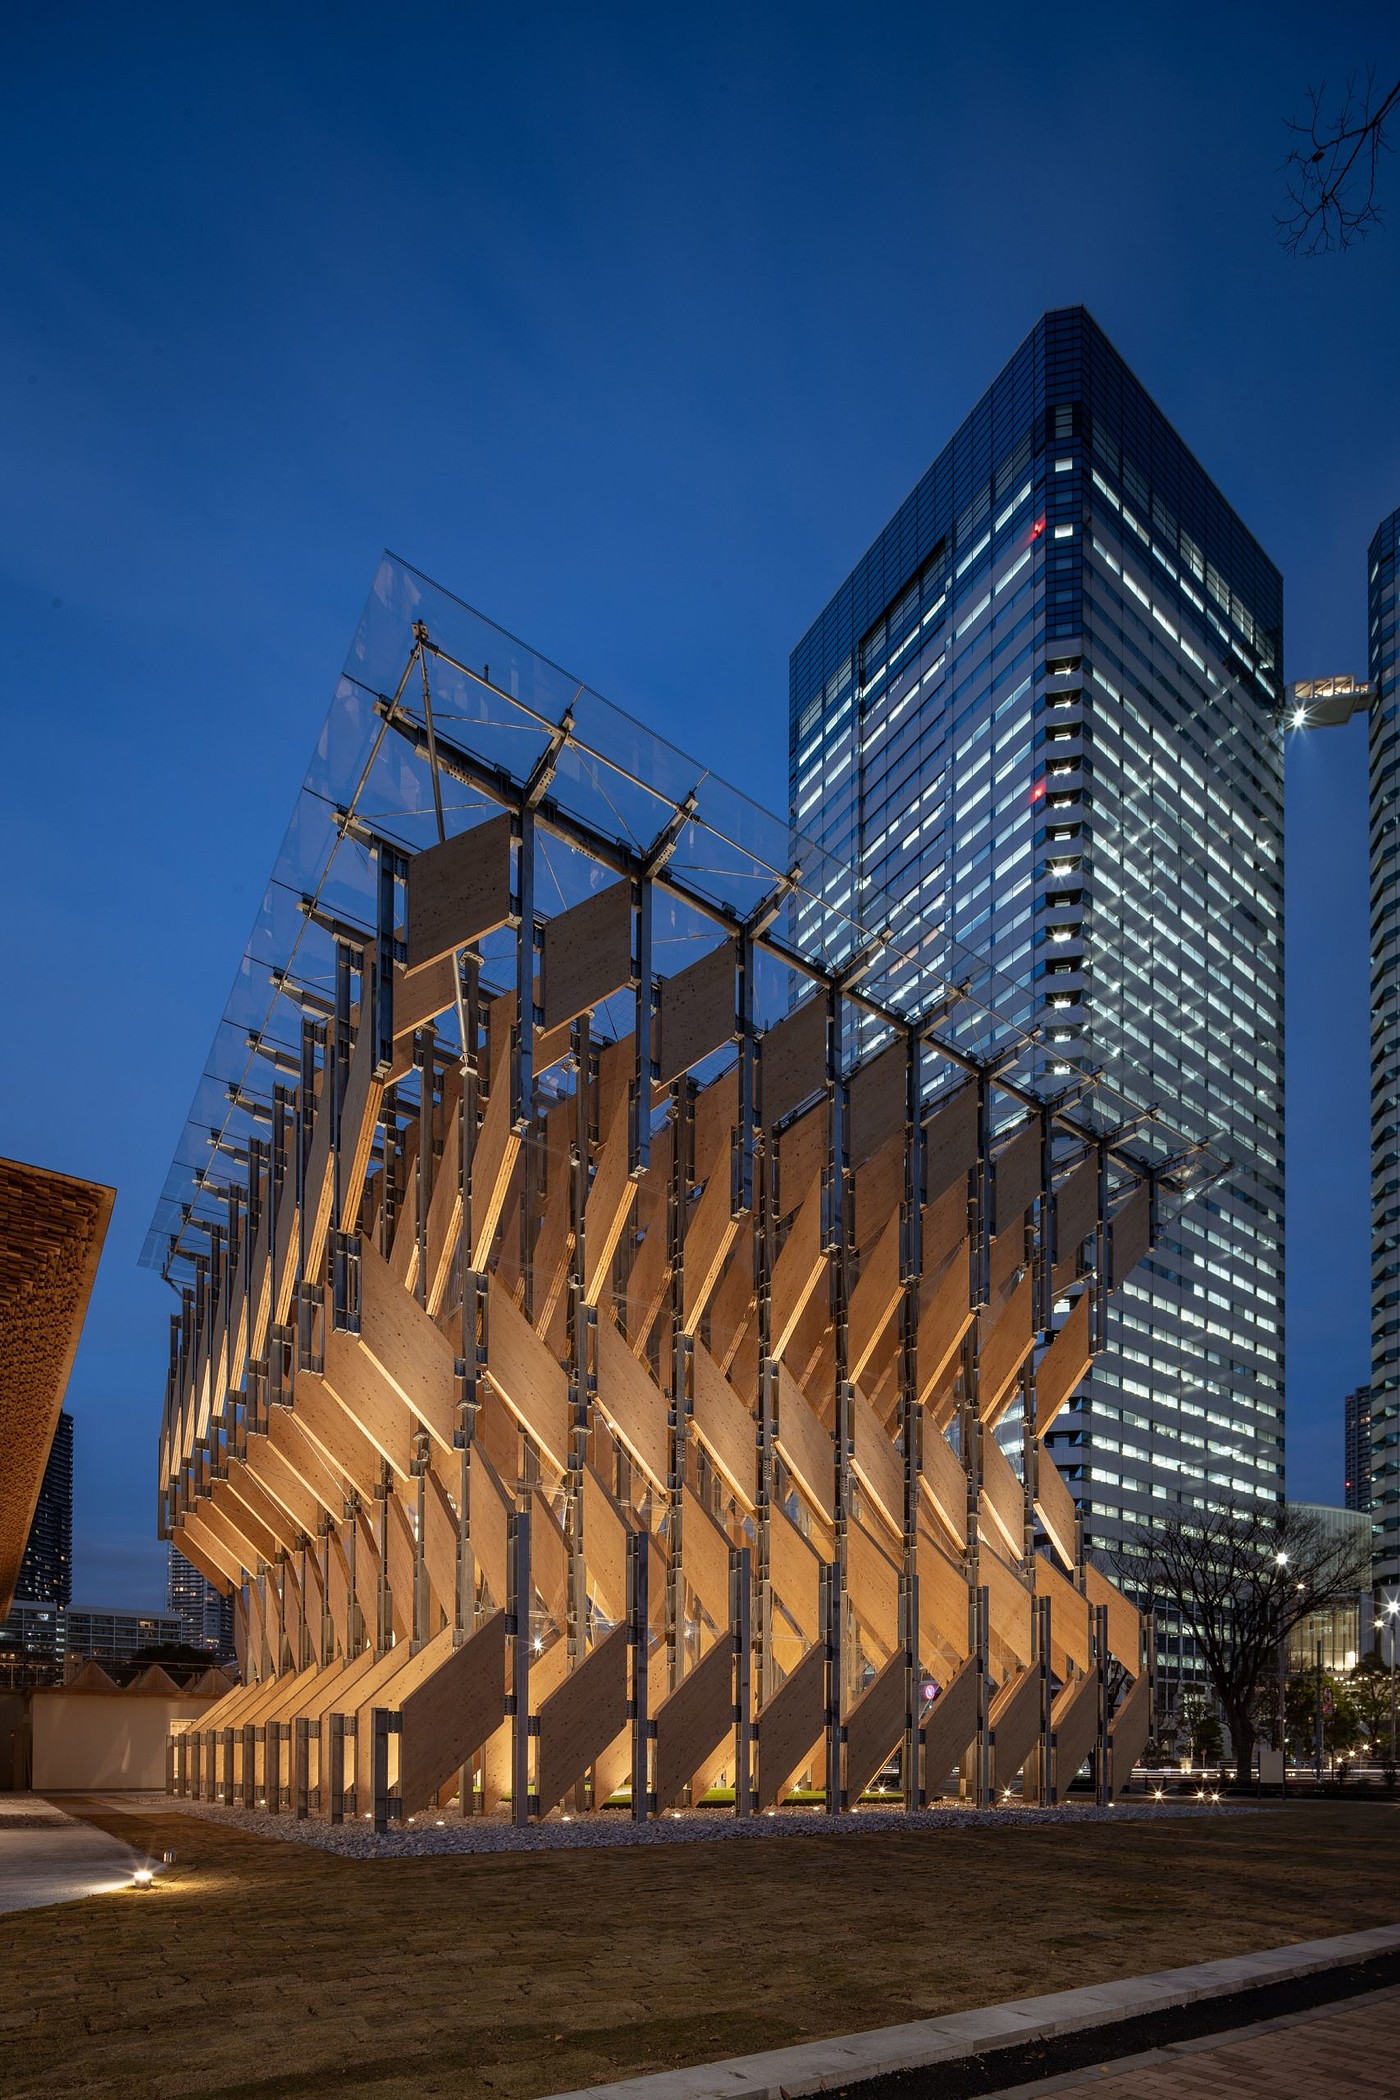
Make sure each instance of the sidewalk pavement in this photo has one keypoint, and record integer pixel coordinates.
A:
(48, 1857)
(846, 2060)
(1331, 2052)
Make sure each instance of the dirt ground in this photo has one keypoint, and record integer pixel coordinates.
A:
(260, 1968)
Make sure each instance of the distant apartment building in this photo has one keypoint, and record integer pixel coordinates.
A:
(1324, 703)
(115, 1638)
(1357, 1452)
(46, 1568)
(1043, 712)
(206, 1618)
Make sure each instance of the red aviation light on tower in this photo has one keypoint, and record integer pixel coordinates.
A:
(1038, 791)
(1038, 528)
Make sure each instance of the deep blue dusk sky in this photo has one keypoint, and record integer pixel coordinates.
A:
(632, 325)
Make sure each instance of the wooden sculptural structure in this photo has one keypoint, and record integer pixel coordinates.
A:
(574, 1405)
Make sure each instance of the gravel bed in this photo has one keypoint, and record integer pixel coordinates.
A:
(427, 1836)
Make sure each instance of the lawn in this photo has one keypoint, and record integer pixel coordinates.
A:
(260, 1968)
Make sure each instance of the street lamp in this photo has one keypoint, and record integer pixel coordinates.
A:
(1392, 1608)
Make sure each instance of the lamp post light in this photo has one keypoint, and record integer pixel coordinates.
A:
(1282, 1560)
(1392, 1609)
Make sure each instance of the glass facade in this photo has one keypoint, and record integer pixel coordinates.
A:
(1385, 1050)
(1357, 1451)
(46, 1571)
(205, 1617)
(1043, 710)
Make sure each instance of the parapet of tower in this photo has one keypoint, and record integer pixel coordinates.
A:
(626, 1286)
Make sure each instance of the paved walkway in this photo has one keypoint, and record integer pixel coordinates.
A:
(844, 2061)
(47, 1857)
(1334, 2052)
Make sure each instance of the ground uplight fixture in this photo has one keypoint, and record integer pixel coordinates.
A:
(143, 1877)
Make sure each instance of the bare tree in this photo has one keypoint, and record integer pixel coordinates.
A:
(1332, 170)
(1241, 1583)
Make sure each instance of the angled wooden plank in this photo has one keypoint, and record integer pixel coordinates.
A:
(449, 1716)
(605, 1534)
(725, 1427)
(943, 1612)
(1124, 1620)
(421, 995)
(793, 1054)
(1054, 1505)
(1128, 1732)
(950, 1723)
(458, 891)
(796, 1573)
(580, 1719)
(208, 1551)
(277, 1479)
(874, 1727)
(490, 1509)
(805, 1444)
(802, 1154)
(411, 1353)
(532, 1383)
(878, 1101)
(1003, 1351)
(697, 1717)
(1016, 1175)
(709, 1235)
(800, 1267)
(632, 1403)
(1008, 1601)
(950, 1142)
(878, 1466)
(1076, 1212)
(945, 1314)
(1075, 1720)
(303, 1458)
(872, 1583)
(875, 1297)
(259, 1541)
(610, 1199)
(1003, 1498)
(790, 1726)
(945, 1482)
(705, 1558)
(1013, 1725)
(1129, 1235)
(401, 1555)
(440, 1542)
(587, 953)
(261, 1504)
(444, 1212)
(1069, 1616)
(370, 1403)
(1063, 1365)
(696, 1012)
(335, 1433)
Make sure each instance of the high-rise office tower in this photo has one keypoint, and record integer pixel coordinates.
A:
(205, 1617)
(1383, 571)
(1357, 1454)
(46, 1570)
(1327, 703)
(1043, 710)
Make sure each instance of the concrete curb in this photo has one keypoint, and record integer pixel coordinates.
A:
(817, 2067)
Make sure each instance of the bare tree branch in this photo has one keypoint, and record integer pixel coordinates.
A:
(1332, 170)
(1241, 1583)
